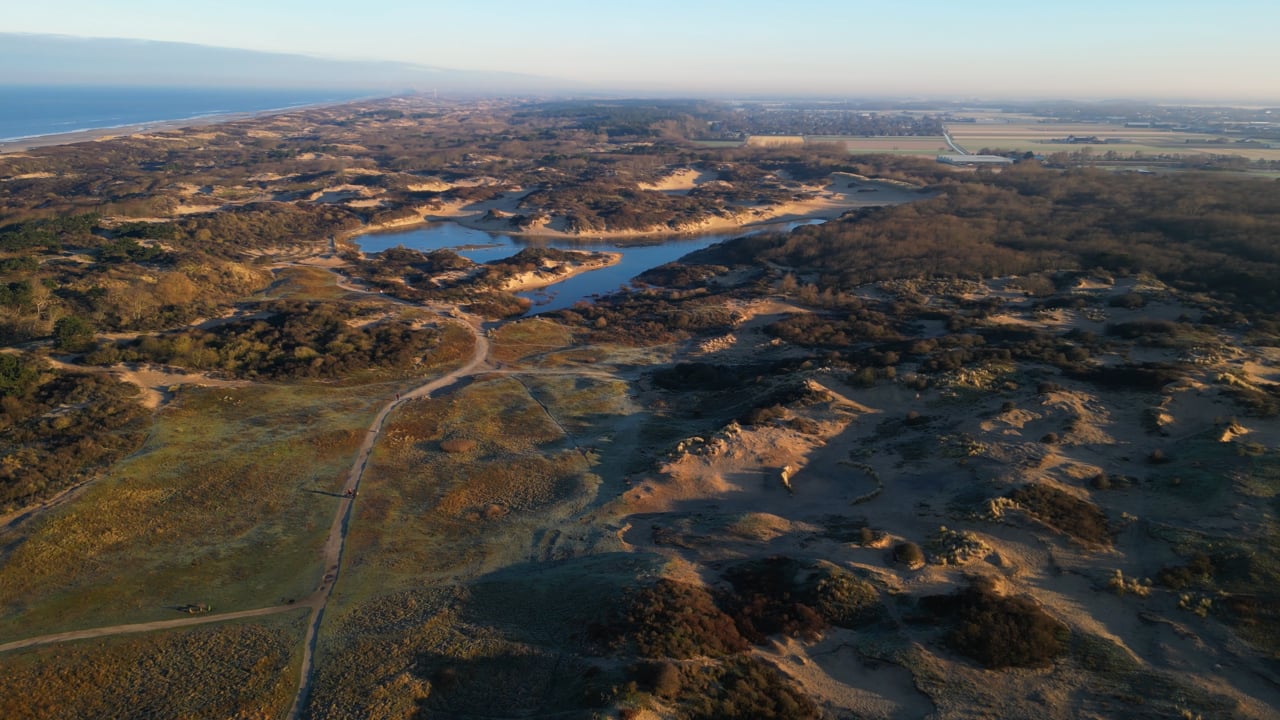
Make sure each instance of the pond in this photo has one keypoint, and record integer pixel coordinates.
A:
(638, 254)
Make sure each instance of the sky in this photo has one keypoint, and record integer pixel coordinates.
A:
(1086, 49)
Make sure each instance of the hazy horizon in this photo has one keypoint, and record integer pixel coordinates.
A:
(1088, 50)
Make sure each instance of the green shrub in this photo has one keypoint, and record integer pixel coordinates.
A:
(72, 334)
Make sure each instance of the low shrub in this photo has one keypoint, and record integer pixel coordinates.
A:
(1066, 513)
(676, 620)
(909, 554)
(782, 595)
(1197, 571)
(998, 631)
(747, 689)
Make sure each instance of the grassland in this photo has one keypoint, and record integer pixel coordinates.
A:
(423, 511)
(138, 543)
(230, 670)
(526, 341)
(427, 518)
(267, 460)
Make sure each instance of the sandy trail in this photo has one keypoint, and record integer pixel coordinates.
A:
(338, 530)
(150, 626)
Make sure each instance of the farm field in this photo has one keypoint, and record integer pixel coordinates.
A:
(908, 145)
(904, 145)
(1035, 137)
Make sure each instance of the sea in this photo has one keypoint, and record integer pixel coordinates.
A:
(31, 111)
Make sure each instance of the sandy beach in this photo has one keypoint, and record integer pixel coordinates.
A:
(106, 133)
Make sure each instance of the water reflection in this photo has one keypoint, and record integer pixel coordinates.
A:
(638, 254)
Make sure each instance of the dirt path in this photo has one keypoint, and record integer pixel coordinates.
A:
(338, 531)
(148, 626)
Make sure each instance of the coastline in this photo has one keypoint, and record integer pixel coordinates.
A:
(34, 142)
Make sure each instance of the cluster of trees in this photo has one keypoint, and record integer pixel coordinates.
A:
(631, 119)
(670, 621)
(1199, 232)
(48, 233)
(609, 206)
(294, 340)
(649, 316)
(59, 428)
(769, 120)
(775, 596)
(259, 226)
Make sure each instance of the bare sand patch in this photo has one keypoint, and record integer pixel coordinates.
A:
(553, 272)
(29, 176)
(680, 182)
(155, 381)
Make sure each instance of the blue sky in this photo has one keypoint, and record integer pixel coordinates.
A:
(1085, 49)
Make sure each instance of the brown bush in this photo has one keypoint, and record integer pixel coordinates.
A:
(999, 631)
(747, 689)
(1066, 513)
(785, 596)
(677, 620)
(909, 554)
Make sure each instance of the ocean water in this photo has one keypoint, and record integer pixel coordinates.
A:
(28, 111)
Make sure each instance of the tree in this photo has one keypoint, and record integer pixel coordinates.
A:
(17, 375)
(72, 334)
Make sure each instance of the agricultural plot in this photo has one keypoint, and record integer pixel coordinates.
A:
(1038, 138)
(905, 145)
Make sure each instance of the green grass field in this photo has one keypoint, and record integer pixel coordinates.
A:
(225, 504)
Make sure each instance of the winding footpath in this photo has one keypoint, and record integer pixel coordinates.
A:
(318, 600)
(338, 531)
